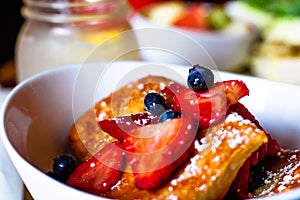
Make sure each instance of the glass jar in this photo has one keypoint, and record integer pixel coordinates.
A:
(62, 32)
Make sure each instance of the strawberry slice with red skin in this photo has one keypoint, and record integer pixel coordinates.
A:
(158, 150)
(101, 172)
(212, 104)
(120, 126)
(232, 90)
(172, 93)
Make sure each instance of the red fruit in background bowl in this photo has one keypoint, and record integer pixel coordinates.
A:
(138, 4)
(194, 17)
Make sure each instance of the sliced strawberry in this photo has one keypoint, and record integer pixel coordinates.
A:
(101, 172)
(158, 150)
(213, 104)
(120, 126)
(179, 101)
(171, 94)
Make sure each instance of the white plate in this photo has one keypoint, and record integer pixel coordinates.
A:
(63, 94)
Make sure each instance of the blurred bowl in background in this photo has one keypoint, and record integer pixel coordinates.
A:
(228, 49)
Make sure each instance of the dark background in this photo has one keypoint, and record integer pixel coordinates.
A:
(11, 21)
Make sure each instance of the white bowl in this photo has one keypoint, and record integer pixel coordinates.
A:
(229, 51)
(37, 115)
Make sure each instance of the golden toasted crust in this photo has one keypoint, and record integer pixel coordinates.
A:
(210, 172)
(86, 138)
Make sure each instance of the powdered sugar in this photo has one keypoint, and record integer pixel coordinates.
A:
(215, 149)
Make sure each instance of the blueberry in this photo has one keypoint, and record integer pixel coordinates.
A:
(257, 176)
(63, 166)
(200, 78)
(169, 114)
(155, 103)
